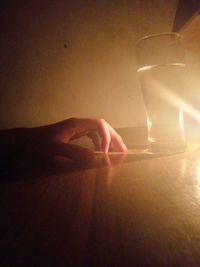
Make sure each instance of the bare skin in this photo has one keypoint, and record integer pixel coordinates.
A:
(54, 139)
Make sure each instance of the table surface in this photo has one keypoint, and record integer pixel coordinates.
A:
(123, 210)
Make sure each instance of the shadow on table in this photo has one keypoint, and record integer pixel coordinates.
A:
(33, 168)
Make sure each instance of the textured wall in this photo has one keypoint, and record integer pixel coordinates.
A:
(74, 58)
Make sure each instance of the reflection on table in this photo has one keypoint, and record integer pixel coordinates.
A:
(133, 209)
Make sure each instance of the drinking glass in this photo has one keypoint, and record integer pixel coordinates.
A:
(161, 71)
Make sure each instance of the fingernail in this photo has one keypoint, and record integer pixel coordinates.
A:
(124, 147)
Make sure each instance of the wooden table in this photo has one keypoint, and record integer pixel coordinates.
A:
(133, 210)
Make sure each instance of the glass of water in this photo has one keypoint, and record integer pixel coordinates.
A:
(161, 71)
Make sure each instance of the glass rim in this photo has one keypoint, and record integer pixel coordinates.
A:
(156, 35)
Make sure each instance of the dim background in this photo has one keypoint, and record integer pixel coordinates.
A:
(75, 58)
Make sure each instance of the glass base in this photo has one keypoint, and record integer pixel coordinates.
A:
(166, 147)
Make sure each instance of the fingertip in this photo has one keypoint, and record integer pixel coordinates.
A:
(117, 140)
(124, 148)
(105, 135)
(106, 149)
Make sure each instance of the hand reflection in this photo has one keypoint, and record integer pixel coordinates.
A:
(111, 165)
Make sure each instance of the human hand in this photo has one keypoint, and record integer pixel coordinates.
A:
(53, 140)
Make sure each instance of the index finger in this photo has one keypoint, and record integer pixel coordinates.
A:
(116, 140)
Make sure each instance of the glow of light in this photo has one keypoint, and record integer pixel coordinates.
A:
(198, 170)
(176, 101)
(149, 123)
(181, 120)
(198, 179)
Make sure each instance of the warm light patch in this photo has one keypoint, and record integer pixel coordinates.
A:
(176, 101)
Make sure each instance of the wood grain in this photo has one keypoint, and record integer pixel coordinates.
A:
(133, 210)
